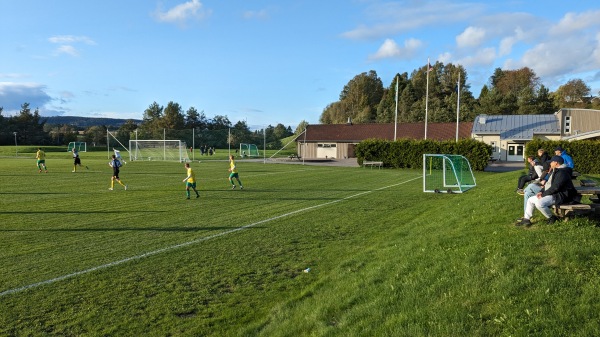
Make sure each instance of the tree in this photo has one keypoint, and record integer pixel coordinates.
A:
(173, 118)
(195, 119)
(301, 127)
(572, 94)
(358, 100)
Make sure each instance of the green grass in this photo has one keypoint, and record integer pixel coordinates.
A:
(385, 259)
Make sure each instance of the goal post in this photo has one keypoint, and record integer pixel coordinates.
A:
(158, 149)
(249, 150)
(79, 146)
(447, 173)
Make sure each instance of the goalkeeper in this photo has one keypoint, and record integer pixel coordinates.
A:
(190, 181)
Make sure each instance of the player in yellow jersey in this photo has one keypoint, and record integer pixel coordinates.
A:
(190, 181)
(233, 173)
(40, 155)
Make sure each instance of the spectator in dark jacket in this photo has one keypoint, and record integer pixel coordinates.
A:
(557, 190)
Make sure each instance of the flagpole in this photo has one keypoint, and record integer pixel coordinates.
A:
(426, 97)
(458, 106)
(396, 116)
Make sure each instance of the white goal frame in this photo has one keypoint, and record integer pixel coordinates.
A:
(158, 149)
(447, 173)
(249, 150)
(80, 146)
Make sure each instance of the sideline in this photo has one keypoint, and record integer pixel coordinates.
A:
(188, 243)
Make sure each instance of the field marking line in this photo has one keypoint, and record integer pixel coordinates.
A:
(188, 243)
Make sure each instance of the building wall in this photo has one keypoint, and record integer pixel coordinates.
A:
(581, 120)
(311, 150)
(500, 147)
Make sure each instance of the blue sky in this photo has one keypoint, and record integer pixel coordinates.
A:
(267, 62)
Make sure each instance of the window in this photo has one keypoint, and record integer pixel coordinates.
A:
(567, 124)
(493, 144)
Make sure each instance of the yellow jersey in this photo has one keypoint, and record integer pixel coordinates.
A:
(191, 175)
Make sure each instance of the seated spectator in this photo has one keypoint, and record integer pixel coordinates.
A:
(559, 151)
(544, 160)
(557, 190)
(535, 173)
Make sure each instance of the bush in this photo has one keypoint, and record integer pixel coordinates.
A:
(408, 153)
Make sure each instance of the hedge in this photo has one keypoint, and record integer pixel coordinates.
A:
(408, 153)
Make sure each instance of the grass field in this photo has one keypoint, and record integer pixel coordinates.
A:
(385, 259)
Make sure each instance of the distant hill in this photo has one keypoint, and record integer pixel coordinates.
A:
(86, 122)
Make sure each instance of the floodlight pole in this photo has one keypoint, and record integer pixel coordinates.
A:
(16, 147)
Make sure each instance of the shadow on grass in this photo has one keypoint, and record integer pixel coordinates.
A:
(140, 229)
(78, 212)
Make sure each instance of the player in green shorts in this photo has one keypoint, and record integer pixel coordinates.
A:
(40, 155)
(190, 181)
(233, 173)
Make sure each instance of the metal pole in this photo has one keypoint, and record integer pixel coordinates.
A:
(458, 106)
(427, 97)
(16, 146)
(396, 116)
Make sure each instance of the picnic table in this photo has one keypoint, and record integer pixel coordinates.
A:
(568, 210)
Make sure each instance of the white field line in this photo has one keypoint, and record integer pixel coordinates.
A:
(188, 243)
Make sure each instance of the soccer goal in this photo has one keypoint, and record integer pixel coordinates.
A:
(79, 146)
(447, 173)
(158, 150)
(249, 150)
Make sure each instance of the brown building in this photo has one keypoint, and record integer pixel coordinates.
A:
(339, 140)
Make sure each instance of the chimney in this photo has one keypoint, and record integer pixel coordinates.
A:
(482, 120)
(349, 120)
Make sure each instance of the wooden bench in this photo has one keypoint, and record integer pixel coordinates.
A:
(294, 156)
(373, 163)
(565, 211)
(587, 182)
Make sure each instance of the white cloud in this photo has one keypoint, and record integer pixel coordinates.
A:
(71, 39)
(471, 37)
(573, 22)
(390, 49)
(180, 14)
(66, 49)
(13, 94)
(396, 18)
(483, 57)
(260, 14)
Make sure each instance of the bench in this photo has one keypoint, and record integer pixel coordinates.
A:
(565, 211)
(294, 156)
(372, 163)
(587, 182)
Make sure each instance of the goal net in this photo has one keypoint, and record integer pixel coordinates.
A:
(249, 150)
(447, 173)
(175, 150)
(79, 146)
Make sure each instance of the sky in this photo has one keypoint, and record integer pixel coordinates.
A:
(267, 62)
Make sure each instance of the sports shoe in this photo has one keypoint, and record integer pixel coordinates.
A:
(188, 198)
(233, 187)
(87, 168)
(73, 171)
(197, 195)
(551, 220)
(523, 222)
(125, 187)
(241, 187)
(40, 171)
(520, 191)
(110, 188)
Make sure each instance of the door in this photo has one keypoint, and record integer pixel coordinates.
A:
(515, 152)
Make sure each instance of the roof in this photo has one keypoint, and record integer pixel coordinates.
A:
(516, 127)
(359, 132)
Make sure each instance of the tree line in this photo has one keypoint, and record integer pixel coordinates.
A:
(193, 127)
(364, 99)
